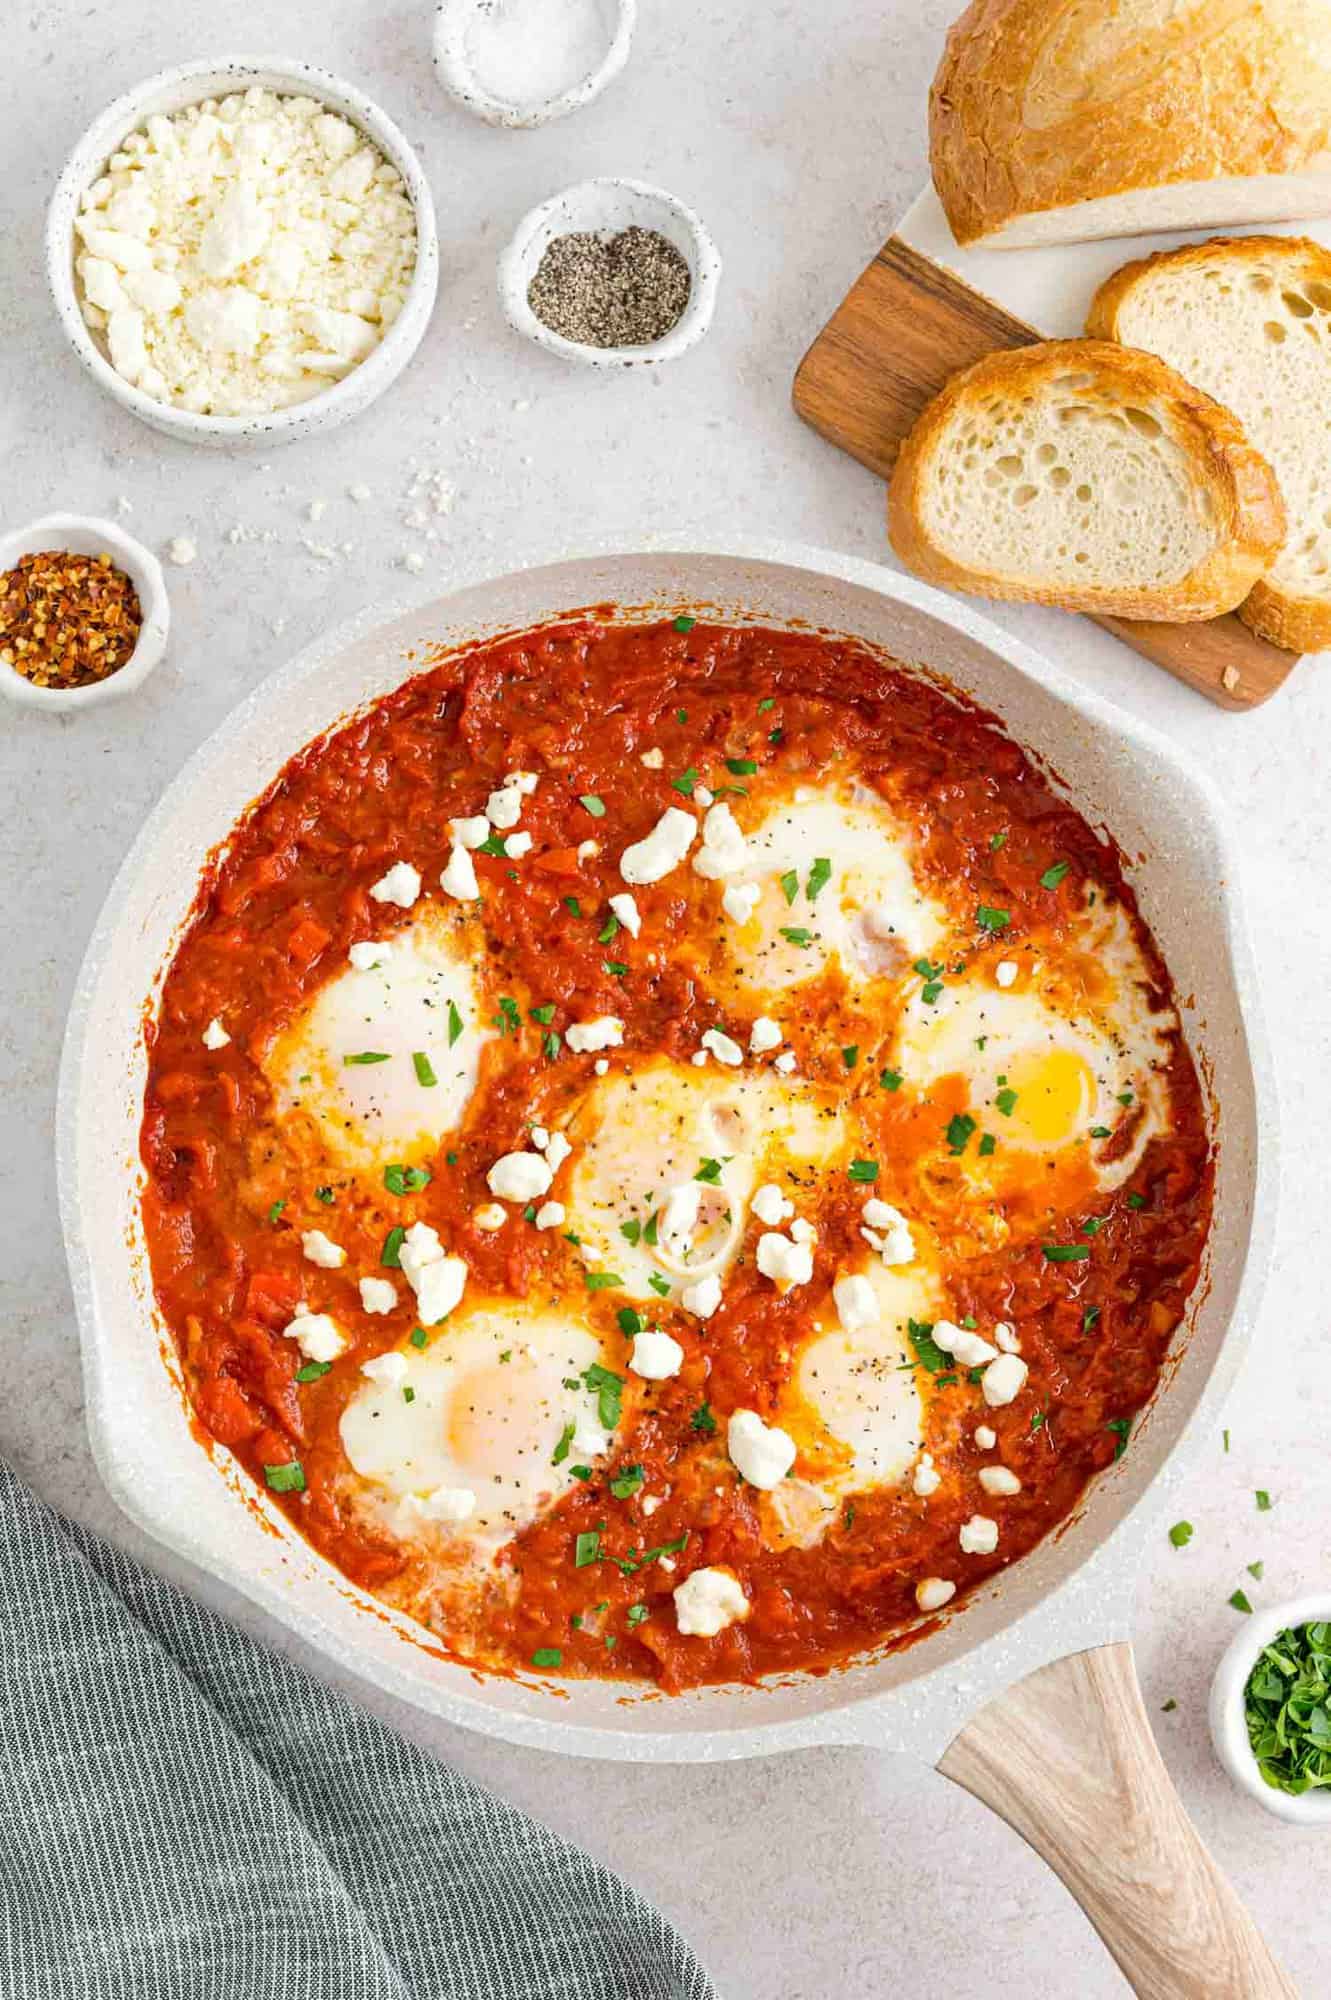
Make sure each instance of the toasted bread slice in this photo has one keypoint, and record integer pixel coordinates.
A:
(1079, 473)
(1248, 319)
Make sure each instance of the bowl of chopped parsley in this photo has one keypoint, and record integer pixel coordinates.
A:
(1271, 1710)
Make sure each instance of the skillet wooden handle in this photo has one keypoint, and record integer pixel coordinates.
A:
(1067, 1758)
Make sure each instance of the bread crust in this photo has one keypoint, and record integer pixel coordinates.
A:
(1249, 513)
(1300, 624)
(1039, 105)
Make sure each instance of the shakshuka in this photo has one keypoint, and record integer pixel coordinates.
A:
(670, 1150)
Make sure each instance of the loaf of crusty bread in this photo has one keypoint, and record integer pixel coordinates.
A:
(1080, 473)
(1054, 121)
(1248, 319)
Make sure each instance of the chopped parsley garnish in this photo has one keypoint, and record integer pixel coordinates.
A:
(932, 977)
(631, 1321)
(547, 1656)
(1006, 1102)
(1240, 1600)
(288, 1478)
(997, 840)
(424, 1069)
(365, 1056)
(508, 1020)
(1263, 1499)
(1066, 1253)
(572, 905)
(681, 716)
(609, 929)
(601, 1281)
(768, 701)
(614, 966)
(1256, 1570)
(890, 1079)
(1181, 1534)
(927, 1351)
(454, 1023)
(1136, 1201)
(595, 806)
(1287, 1702)
(662, 1549)
(992, 920)
(1093, 1225)
(776, 735)
(796, 935)
(1125, 1097)
(493, 844)
(408, 1394)
(703, 1421)
(1089, 1317)
(406, 1180)
(551, 1044)
(819, 877)
(709, 1171)
(684, 623)
(790, 884)
(1039, 1418)
(1101, 1132)
(1053, 876)
(545, 1013)
(659, 1284)
(312, 1371)
(636, 1614)
(958, 1132)
(863, 1170)
(587, 1548)
(631, 1231)
(626, 1483)
(850, 1055)
(418, 1336)
(392, 1245)
(685, 782)
(741, 767)
(325, 1195)
(561, 1450)
(276, 1210)
(608, 1388)
(1121, 1427)
(988, 1145)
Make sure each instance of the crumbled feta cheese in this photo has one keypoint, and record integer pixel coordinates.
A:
(979, 1535)
(360, 491)
(470, 833)
(724, 850)
(1003, 1380)
(652, 858)
(985, 1438)
(703, 1298)
(550, 1215)
(1005, 1338)
(447, 1505)
(215, 1035)
(761, 1452)
(803, 1232)
(557, 1151)
(437, 1280)
(965, 1347)
(524, 782)
(626, 909)
(740, 900)
(600, 1067)
(723, 1048)
(316, 1335)
(387, 1371)
(998, 1480)
(516, 845)
(785, 1062)
(679, 1217)
(588, 1439)
(458, 879)
(707, 1602)
(539, 1137)
(856, 1303)
(927, 1477)
(588, 850)
(321, 1250)
(605, 1032)
(365, 957)
(655, 1356)
(520, 1177)
(378, 1295)
(703, 795)
(764, 1036)
(786, 1263)
(1005, 972)
(933, 1592)
(490, 1217)
(401, 885)
(181, 550)
(503, 808)
(652, 760)
(699, 1059)
(887, 1231)
(770, 1205)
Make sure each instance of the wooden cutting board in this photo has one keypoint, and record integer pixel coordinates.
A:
(922, 310)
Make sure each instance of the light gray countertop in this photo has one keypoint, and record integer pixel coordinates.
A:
(797, 130)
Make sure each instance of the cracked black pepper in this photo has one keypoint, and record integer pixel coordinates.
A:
(610, 291)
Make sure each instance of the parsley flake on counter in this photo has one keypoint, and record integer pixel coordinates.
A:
(1240, 1600)
(1181, 1534)
(1263, 1499)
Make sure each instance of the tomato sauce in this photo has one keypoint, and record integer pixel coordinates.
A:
(276, 914)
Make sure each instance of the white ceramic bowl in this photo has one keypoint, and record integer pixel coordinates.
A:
(604, 207)
(170, 91)
(486, 97)
(1229, 1729)
(84, 535)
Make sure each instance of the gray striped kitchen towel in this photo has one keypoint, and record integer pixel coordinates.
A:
(184, 1816)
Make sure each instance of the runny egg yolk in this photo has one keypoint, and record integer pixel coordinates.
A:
(1055, 1098)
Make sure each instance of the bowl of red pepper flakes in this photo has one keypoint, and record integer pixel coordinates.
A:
(83, 612)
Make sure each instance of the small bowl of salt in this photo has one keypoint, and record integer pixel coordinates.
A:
(523, 63)
(611, 273)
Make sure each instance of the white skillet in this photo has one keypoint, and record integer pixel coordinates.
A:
(1027, 1695)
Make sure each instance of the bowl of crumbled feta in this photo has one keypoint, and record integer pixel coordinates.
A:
(243, 251)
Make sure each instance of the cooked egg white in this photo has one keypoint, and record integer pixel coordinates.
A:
(833, 867)
(488, 1409)
(420, 1011)
(642, 1138)
(1053, 1064)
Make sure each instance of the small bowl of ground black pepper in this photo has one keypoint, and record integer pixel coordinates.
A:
(611, 273)
(83, 612)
